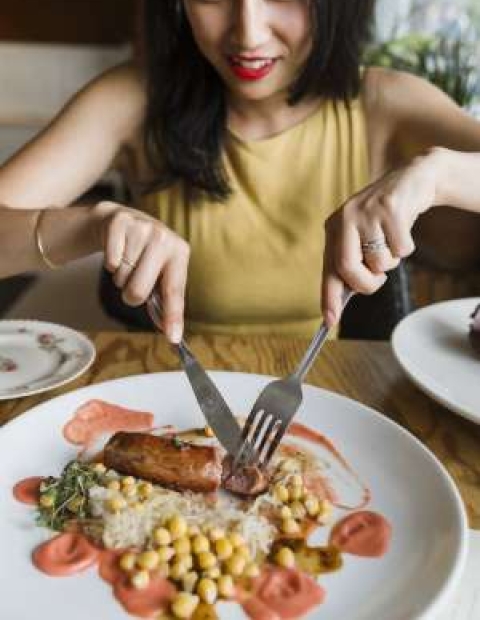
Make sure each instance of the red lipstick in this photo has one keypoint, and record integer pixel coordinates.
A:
(251, 73)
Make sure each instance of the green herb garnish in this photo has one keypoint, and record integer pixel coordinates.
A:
(65, 498)
(177, 442)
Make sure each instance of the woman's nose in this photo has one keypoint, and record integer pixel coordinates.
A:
(250, 27)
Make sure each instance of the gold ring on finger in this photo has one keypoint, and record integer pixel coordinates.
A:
(127, 262)
(374, 245)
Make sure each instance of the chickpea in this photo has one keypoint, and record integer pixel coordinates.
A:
(127, 561)
(140, 579)
(223, 548)
(212, 573)
(281, 493)
(244, 551)
(206, 560)
(184, 604)
(128, 481)
(129, 491)
(252, 570)
(325, 511)
(312, 505)
(178, 570)
(113, 485)
(296, 492)
(177, 527)
(148, 560)
(208, 432)
(162, 536)
(296, 480)
(182, 545)
(186, 559)
(207, 590)
(144, 489)
(298, 510)
(165, 554)
(290, 526)
(225, 586)
(116, 504)
(235, 565)
(200, 544)
(189, 581)
(285, 558)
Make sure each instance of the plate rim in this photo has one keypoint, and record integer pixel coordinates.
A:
(459, 558)
(86, 342)
(467, 413)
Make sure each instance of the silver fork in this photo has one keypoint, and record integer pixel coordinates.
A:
(277, 404)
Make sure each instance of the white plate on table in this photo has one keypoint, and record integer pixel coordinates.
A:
(36, 356)
(433, 347)
(409, 487)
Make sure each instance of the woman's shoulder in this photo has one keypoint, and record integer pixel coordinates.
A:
(118, 97)
(390, 94)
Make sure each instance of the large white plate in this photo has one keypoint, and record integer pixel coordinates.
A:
(36, 356)
(409, 487)
(433, 348)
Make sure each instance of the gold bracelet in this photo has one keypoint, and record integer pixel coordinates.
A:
(38, 240)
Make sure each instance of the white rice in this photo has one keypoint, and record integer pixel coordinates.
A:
(130, 528)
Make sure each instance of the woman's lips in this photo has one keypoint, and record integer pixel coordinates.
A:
(251, 69)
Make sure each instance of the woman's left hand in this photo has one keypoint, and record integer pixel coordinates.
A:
(372, 231)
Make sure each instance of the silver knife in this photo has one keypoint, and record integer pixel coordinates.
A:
(211, 402)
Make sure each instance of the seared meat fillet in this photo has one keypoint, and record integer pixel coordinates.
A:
(247, 482)
(165, 460)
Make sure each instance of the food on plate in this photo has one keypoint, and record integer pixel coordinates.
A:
(173, 532)
(248, 481)
(165, 460)
(474, 333)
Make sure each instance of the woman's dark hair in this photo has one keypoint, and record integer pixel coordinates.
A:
(186, 109)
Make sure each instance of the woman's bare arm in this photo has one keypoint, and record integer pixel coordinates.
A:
(65, 160)
(80, 144)
(424, 152)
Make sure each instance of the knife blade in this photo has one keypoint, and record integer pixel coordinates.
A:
(211, 402)
(216, 411)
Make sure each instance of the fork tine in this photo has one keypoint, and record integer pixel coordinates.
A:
(247, 427)
(260, 418)
(266, 436)
(246, 453)
(280, 432)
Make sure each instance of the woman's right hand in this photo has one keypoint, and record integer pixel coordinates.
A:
(142, 254)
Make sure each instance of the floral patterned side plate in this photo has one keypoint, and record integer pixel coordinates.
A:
(37, 356)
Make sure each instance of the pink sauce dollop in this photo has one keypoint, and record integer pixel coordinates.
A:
(97, 417)
(65, 554)
(282, 594)
(364, 533)
(146, 602)
(27, 491)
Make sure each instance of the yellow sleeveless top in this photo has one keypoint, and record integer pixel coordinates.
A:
(256, 259)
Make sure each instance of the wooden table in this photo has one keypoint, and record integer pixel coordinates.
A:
(365, 371)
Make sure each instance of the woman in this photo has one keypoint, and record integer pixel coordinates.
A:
(248, 128)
